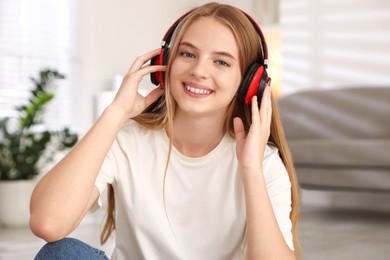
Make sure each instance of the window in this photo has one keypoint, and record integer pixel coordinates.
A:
(335, 43)
(35, 35)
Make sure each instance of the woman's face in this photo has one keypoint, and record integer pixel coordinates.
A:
(205, 73)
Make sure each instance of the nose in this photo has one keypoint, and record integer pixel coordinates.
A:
(200, 69)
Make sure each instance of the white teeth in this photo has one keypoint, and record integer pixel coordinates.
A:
(198, 90)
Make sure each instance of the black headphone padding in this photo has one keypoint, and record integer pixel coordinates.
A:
(246, 80)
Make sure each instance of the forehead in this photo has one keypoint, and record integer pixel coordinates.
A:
(210, 34)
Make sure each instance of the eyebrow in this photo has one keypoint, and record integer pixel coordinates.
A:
(223, 53)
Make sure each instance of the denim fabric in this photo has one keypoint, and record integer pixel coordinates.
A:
(69, 249)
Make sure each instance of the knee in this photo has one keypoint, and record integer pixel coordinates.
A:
(68, 248)
(54, 250)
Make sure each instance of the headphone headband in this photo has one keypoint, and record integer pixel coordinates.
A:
(168, 35)
(262, 38)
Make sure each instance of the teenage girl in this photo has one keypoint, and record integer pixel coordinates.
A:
(197, 169)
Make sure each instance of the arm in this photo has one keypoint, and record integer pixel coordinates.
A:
(265, 240)
(64, 195)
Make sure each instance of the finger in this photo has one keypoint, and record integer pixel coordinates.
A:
(255, 110)
(265, 106)
(150, 69)
(239, 130)
(269, 111)
(139, 74)
(270, 107)
(141, 60)
(132, 80)
(153, 96)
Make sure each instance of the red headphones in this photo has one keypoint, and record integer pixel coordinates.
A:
(255, 78)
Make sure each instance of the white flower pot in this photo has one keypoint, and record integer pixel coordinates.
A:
(15, 202)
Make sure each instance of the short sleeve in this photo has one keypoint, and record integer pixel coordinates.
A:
(279, 189)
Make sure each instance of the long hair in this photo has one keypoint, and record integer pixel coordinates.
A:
(160, 114)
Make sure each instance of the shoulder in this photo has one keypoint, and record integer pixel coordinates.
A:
(271, 153)
(135, 135)
(131, 126)
(274, 169)
(129, 129)
(133, 129)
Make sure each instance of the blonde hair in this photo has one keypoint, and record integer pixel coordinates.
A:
(160, 114)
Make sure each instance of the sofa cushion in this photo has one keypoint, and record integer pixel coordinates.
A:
(350, 113)
(344, 152)
(339, 138)
(344, 178)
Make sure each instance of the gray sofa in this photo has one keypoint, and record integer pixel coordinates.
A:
(339, 138)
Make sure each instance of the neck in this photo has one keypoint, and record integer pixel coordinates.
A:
(196, 137)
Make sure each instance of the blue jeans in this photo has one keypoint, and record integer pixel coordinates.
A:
(69, 249)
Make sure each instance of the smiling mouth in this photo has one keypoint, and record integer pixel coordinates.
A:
(197, 91)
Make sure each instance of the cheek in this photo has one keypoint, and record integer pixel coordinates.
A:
(173, 79)
(236, 81)
(172, 73)
(175, 70)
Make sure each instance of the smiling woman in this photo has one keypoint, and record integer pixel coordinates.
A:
(197, 169)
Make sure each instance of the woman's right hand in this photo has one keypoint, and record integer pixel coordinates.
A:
(127, 99)
(64, 195)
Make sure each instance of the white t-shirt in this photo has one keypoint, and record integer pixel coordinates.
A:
(203, 214)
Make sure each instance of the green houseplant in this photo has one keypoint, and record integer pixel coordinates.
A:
(22, 148)
(26, 146)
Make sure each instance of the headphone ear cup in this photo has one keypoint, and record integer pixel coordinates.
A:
(264, 82)
(253, 83)
(158, 77)
(246, 83)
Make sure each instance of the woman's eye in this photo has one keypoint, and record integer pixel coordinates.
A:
(187, 54)
(223, 63)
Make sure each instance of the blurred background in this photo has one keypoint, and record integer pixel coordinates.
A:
(313, 45)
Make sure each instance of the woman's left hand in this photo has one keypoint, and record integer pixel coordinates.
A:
(250, 148)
